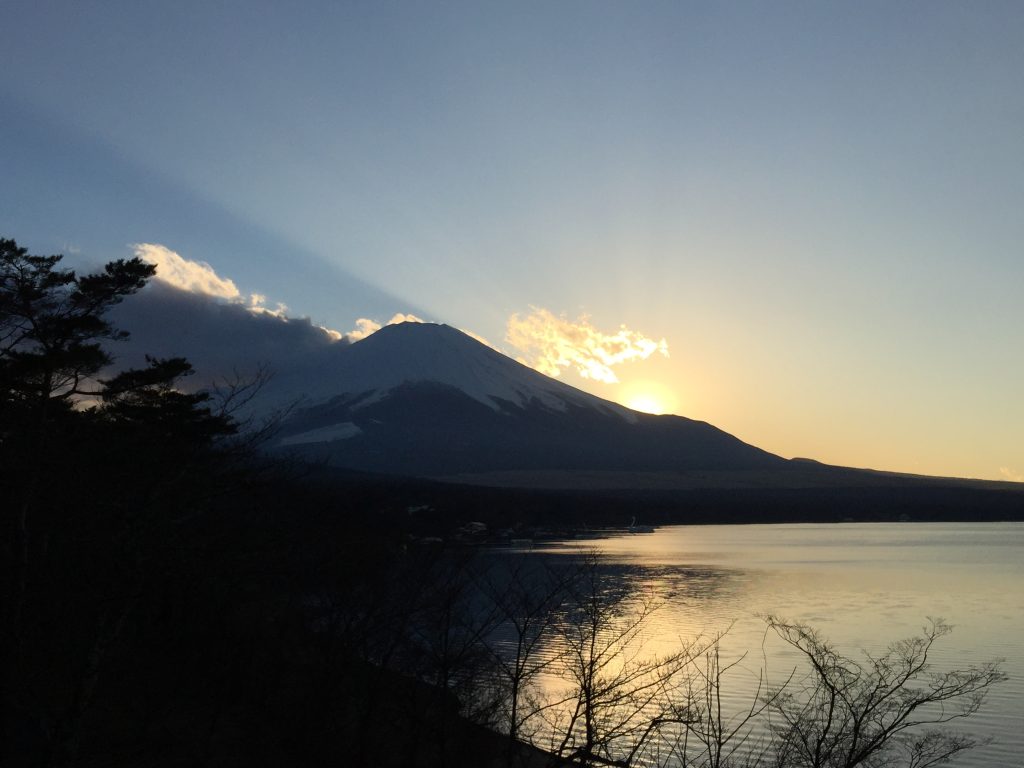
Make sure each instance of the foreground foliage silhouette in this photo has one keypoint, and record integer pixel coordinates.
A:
(92, 478)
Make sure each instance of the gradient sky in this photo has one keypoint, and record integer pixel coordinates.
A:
(819, 207)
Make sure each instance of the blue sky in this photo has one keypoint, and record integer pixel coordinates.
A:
(817, 206)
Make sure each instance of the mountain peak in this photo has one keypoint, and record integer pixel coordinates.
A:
(414, 326)
(432, 353)
(417, 332)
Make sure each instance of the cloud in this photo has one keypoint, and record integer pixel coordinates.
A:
(185, 274)
(200, 278)
(551, 343)
(257, 305)
(218, 337)
(1009, 474)
(365, 326)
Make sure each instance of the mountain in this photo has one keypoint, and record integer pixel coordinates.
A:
(428, 400)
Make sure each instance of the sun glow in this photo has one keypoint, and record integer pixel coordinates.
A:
(648, 397)
(645, 403)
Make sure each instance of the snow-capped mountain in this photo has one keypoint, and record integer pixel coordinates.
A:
(407, 353)
(428, 400)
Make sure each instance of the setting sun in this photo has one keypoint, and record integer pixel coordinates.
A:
(645, 403)
(649, 397)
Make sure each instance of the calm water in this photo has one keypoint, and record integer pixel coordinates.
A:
(861, 585)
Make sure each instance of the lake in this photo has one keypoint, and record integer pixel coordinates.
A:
(861, 585)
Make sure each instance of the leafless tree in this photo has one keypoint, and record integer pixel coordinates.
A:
(716, 734)
(529, 598)
(889, 709)
(620, 697)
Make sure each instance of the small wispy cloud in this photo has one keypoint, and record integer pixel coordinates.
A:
(551, 343)
(365, 326)
(1009, 474)
(258, 305)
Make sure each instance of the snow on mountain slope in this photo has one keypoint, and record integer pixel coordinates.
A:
(341, 431)
(408, 353)
(429, 401)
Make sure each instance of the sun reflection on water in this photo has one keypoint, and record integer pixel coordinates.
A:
(862, 585)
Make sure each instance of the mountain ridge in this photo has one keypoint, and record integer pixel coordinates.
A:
(429, 400)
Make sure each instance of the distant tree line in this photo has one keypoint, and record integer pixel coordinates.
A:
(171, 598)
